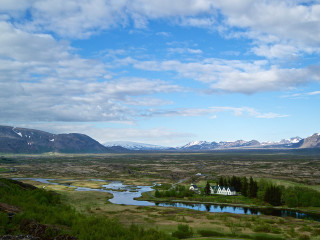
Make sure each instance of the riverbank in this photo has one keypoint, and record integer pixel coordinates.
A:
(149, 196)
(245, 226)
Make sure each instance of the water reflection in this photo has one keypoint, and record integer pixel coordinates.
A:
(126, 194)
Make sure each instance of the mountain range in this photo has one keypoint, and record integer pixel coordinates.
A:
(24, 140)
(292, 143)
(136, 146)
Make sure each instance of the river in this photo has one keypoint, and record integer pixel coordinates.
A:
(126, 194)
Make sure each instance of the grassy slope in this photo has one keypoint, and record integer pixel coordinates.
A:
(44, 210)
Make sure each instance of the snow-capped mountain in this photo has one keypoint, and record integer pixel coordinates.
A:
(291, 140)
(25, 140)
(199, 145)
(135, 145)
(294, 142)
(203, 145)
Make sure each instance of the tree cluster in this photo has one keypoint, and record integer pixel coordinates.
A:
(178, 191)
(301, 197)
(241, 184)
(273, 195)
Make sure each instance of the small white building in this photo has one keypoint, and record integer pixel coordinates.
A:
(193, 187)
(222, 190)
(213, 189)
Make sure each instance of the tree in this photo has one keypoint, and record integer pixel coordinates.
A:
(221, 181)
(244, 188)
(207, 189)
(253, 188)
(273, 195)
(157, 194)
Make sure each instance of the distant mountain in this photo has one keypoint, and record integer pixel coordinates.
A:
(295, 142)
(203, 145)
(135, 146)
(23, 140)
(199, 145)
(312, 141)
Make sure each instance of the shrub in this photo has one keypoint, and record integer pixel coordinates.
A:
(262, 236)
(262, 228)
(210, 233)
(184, 231)
(304, 237)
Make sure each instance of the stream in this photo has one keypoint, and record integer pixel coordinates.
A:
(126, 194)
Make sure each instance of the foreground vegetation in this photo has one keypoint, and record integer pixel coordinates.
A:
(297, 172)
(41, 213)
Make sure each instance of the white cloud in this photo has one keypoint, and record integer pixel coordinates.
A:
(184, 50)
(202, 22)
(82, 18)
(41, 79)
(276, 51)
(237, 111)
(276, 23)
(161, 136)
(233, 75)
(74, 100)
(302, 95)
(271, 24)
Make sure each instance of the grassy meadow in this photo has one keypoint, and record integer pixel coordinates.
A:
(289, 169)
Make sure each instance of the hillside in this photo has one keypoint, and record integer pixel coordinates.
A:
(27, 212)
(312, 141)
(23, 140)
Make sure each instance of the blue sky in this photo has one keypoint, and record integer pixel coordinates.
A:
(162, 72)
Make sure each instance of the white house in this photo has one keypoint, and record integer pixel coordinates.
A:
(222, 190)
(213, 189)
(193, 187)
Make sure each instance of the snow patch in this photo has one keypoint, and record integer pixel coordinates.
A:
(295, 140)
(195, 143)
(134, 145)
(51, 140)
(19, 133)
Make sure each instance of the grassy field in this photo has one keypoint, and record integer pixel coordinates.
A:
(166, 219)
(288, 169)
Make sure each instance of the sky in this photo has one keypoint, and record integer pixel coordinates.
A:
(160, 71)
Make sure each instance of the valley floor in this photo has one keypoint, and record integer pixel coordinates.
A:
(146, 169)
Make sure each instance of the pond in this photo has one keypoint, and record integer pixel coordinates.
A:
(126, 194)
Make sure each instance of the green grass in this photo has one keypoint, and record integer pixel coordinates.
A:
(38, 207)
(287, 183)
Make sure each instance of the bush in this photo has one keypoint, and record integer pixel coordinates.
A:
(262, 236)
(210, 233)
(304, 237)
(184, 231)
(262, 228)
(3, 222)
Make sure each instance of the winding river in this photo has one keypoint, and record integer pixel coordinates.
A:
(126, 194)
